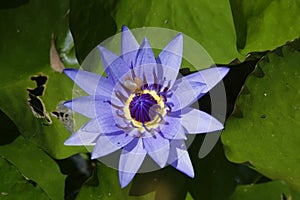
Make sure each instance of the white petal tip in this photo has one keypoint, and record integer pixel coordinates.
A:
(101, 48)
(145, 43)
(184, 163)
(160, 158)
(191, 175)
(123, 185)
(223, 70)
(215, 125)
(178, 37)
(67, 143)
(125, 178)
(93, 157)
(71, 142)
(162, 164)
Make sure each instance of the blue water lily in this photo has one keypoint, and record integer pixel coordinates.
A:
(141, 108)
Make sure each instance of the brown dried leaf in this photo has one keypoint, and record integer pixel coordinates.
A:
(55, 61)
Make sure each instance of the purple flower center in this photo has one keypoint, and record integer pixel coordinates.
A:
(143, 107)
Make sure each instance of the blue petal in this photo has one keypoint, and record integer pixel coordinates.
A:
(85, 105)
(108, 121)
(90, 82)
(145, 54)
(180, 159)
(115, 67)
(172, 129)
(210, 77)
(129, 46)
(130, 161)
(182, 89)
(92, 126)
(170, 59)
(109, 143)
(145, 63)
(158, 149)
(195, 86)
(82, 137)
(196, 121)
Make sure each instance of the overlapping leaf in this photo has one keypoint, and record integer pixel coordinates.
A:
(270, 190)
(266, 24)
(35, 165)
(108, 187)
(15, 186)
(24, 53)
(210, 24)
(267, 137)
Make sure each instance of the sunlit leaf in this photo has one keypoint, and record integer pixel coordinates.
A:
(265, 24)
(267, 136)
(210, 24)
(15, 186)
(108, 187)
(35, 165)
(270, 190)
(25, 60)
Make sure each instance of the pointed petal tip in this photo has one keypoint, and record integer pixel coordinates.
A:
(162, 164)
(101, 48)
(67, 143)
(223, 71)
(220, 126)
(215, 125)
(123, 184)
(104, 51)
(70, 72)
(190, 173)
(158, 149)
(145, 43)
(70, 142)
(125, 178)
(66, 70)
(173, 52)
(183, 163)
(68, 104)
(179, 37)
(124, 28)
(94, 156)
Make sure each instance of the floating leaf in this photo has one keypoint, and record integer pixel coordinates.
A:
(55, 60)
(35, 165)
(24, 55)
(271, 190)
(15, 186)
(266, 24)
(267, 137)
(210, 24)
(108, 187)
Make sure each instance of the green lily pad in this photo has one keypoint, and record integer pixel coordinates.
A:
(188, 197)
(210, 24)
(266, 24)
(35, 165)
(267, 136)
(108, 187)
(270, 190)
(24, 56)
(15, 186)
(90, 23)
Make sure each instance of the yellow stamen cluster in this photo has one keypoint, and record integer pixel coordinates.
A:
(151, 124)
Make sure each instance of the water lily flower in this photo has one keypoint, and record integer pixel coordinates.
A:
(141, 108)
